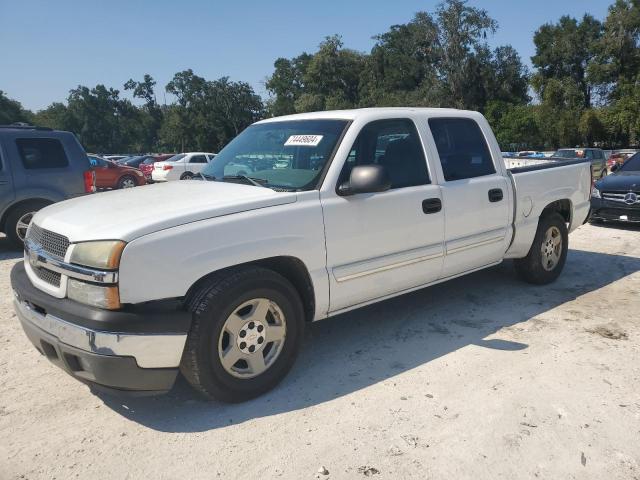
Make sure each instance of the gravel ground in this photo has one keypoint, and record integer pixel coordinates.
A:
(482, 377)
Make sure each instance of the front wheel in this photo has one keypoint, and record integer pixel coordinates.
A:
(548, 253)
(127, 182)
(246, 332)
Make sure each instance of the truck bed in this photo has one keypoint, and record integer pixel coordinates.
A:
(536, 183)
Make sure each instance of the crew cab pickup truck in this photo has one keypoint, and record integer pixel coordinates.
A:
(220, 281)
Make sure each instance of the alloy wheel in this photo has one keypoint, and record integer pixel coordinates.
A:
(551, 248)
(23, 225)
(252, 338)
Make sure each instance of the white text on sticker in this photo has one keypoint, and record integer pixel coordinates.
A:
(303, 141)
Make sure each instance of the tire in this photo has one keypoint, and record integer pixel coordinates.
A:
(536, 267)
(224, 304)
(187, 176)
(20, 214)
(127, 182)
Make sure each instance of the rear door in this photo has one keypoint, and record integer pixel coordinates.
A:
(7, 192)
(197, 163)
(474, 196)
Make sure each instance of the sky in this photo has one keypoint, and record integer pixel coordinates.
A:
(49, 47)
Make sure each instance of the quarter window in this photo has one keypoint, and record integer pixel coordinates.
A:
(462, 148)
(395, 145)
(39, 153)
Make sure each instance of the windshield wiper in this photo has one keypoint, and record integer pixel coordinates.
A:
(252, 181)
(205, 176)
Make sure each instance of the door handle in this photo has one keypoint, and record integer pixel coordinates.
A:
(431, 205)
(495, 195)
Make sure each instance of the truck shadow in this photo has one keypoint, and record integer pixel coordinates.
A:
(8, 252)
(353, 351)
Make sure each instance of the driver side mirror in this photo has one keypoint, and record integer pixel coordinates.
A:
(366, 179)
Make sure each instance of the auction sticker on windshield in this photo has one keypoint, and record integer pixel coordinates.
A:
(303, 141)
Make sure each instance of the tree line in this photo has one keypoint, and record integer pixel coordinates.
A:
(584, 88)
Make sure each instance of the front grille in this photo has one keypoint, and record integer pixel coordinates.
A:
(52, 278)
(52, 243)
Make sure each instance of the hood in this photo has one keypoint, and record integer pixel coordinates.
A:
(131, 213)
(620, 182)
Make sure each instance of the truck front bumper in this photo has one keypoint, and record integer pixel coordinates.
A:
(118, 351)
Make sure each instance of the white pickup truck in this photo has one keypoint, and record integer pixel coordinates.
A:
(342, 209)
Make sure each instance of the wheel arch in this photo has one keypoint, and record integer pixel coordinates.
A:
(19, 203)
(291, 268)
(564, 207)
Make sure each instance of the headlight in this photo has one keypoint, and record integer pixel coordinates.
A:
(95, 295)
(102, 254)
(595, 193)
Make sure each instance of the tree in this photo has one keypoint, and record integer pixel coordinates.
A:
(11, 111)
(208, 114)
(565, 50)
(151, 114)
(591, 127)
(286, 84)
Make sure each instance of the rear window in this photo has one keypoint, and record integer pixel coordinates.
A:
(39, 153)
(462, 148)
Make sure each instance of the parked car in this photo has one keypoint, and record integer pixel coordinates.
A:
(247, 262)
(135, 162)
(146, 167)
(183, 166)
(594, 155)
(113, 175)
(38, 167)
(530, 154)
(617, 196)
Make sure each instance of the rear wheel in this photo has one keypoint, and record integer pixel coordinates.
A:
(127, 182)
(19, 220)
(246, 332)
(187, 176)
(548, 253)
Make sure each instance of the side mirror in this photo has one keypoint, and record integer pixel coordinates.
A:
(366, 179)
(615, 167)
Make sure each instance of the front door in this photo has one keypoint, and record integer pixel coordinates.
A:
(474, 196)
(383, 243)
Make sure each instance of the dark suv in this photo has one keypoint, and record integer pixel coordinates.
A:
(38, 167)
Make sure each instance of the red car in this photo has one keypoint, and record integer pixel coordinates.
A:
(113, 175)
(146, 167)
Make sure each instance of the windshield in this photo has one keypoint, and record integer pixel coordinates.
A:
(176, 158)
(149, 160)
(288, 154)
(631, 165)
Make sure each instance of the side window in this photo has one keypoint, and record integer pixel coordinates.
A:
(38, 153)
(462, 148)
(198, 159)
(395, 145)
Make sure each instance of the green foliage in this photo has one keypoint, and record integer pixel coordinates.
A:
(11, 111)
(440, 59)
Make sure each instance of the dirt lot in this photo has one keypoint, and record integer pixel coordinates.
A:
(483, 377)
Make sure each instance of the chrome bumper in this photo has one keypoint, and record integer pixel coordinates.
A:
(149, 350)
